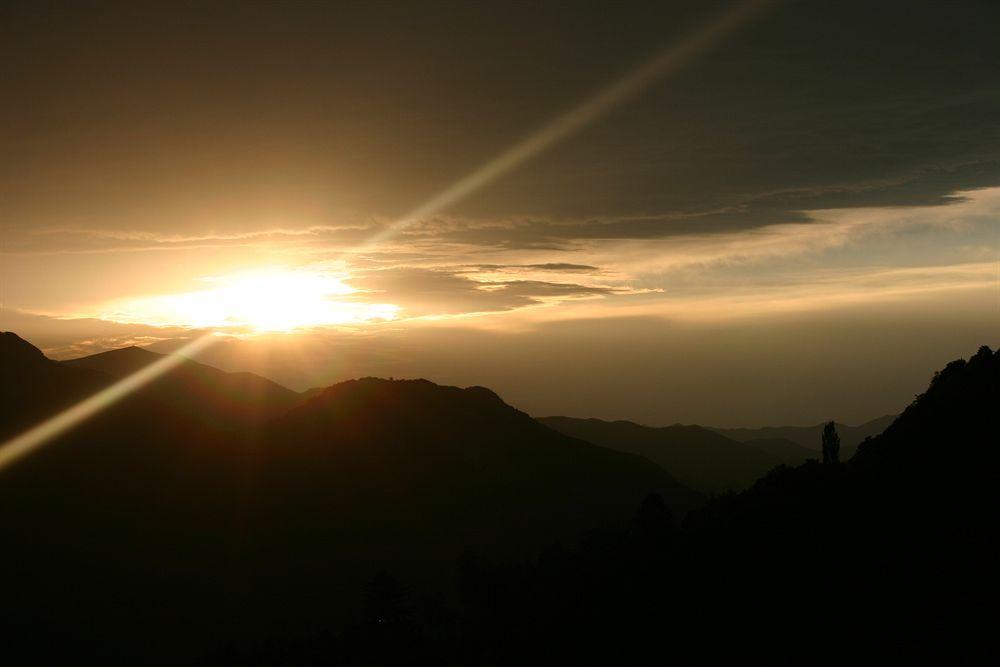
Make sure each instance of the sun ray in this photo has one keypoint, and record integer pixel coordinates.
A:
(34, 438)
(665, 62)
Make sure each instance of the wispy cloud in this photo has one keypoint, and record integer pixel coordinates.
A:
(98, 241)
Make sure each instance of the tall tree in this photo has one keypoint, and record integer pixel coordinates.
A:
(831, 444)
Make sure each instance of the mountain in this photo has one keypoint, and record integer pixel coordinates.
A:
(698, 457)
(32, 386)
(332, 533)
(155, 532)
(459, 466)
(956, 416)
(887, 556)
(312, 392)
(198, 390)
(810, 437)
(713, 460)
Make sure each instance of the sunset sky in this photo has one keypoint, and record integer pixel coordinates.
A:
(727, 213)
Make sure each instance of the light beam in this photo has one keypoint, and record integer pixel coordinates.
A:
(34, 438)
(665, 62)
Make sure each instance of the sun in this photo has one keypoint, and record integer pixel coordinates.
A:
(273, 300)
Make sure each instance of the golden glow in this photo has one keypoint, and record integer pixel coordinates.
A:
(273, 300)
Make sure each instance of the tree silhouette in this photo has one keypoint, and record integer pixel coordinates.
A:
(831, 444)
(386, 601)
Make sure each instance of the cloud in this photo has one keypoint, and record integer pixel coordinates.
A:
(71, 337)
(27, 241)
(866, 253)
(427, 292)
(555, 267)
(820, 105)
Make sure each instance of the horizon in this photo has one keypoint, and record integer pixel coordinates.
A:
(657, 213)
(194, 357)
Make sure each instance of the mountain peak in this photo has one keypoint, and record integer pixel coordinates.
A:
(132, 353)
(197, 389)
(390, 387)
(14, 350)
(950, 420)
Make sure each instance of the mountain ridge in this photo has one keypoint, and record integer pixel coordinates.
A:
(138, 511)
(697, 456)
(896, 542)
(198, 389)
(810, 436)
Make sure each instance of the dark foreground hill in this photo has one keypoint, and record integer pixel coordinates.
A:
(152, 535)
(147, 536)
(698, 457)
(887, 557)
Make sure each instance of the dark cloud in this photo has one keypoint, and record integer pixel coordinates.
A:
(555, 267)
(306, 113)
(547, 234)
(442, 292)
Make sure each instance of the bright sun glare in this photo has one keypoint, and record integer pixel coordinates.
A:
(264, 301)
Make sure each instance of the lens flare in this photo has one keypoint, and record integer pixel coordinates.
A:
(34, 438)
(665, 62)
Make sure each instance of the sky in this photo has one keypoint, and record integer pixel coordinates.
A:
(730, 213)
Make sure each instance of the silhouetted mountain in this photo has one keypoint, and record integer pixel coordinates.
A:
(32, 386)
(888, 556)
(18, 353)
(954, 421)
(311, 393)
(148, 536)
(811, 436)
(198, 390)
(441, 470)
(164, 534)
(696, 456)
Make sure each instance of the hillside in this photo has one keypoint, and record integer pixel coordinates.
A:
(888, 556)
(456, 468)
(146, 517)
(166, 539)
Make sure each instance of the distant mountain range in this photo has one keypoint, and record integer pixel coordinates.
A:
(810, 437)
(709, 460)
(714, 460)
(698, 457)
(889, 555)
(211, 509)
